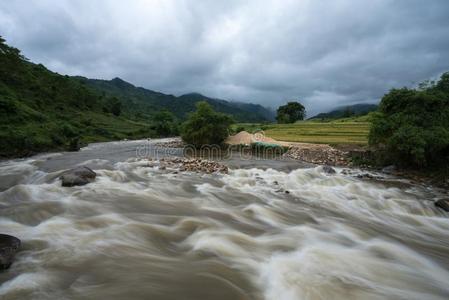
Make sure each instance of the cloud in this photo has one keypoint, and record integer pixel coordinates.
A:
(324, 53)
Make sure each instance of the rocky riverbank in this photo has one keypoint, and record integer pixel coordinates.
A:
(197, 165)
(174, 143)
(319, 154)
(312, 153)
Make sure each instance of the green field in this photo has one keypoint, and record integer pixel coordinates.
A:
(343, 131)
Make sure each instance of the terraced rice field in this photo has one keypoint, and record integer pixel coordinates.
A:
(316, 132)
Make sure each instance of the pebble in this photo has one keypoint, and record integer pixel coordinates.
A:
(323, 156)
(171, 144)
(192, 165)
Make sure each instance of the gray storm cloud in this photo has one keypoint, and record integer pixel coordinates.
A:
(324, 53)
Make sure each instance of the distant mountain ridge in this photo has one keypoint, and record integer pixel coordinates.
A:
(145, 102)
(358, 109)
(41, 110)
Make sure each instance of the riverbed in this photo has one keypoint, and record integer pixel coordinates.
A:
(269, 229)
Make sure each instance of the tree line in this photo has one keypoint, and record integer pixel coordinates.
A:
(409, 129)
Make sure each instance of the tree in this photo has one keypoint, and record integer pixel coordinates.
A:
(412, 126)
(165, 123)
(116, 106)
(443, 83)
(290, 113)
(206, 126)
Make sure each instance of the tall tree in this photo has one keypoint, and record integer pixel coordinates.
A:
(290, 113)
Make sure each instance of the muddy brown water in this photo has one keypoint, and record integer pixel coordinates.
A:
(138, 232)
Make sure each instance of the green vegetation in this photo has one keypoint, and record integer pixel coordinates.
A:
(354, 110)
(143, 104)
(115, 106)
(44, 111)
(41, 110)
(165, 124)
(290, 113)
(412, 125)
(343, 131)
(206, 126)
(260, 148)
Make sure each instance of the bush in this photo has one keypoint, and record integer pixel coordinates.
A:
(205, 126)
(164, 124)
(239, 129)
(412, 126)
(68, 130)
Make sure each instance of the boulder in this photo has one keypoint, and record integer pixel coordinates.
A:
(78, 176)
(8, 248)
(328, 170)
(443, 204)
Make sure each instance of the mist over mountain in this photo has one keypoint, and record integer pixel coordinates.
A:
(358, 109)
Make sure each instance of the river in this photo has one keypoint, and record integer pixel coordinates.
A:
(267, 230)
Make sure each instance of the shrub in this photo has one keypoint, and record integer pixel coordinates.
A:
(239, 129)
(68, 130)
(205, 126)
(412, 126)
(164, 124)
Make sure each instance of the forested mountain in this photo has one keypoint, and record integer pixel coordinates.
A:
(41, 110)
(347, 111)
(140, 101)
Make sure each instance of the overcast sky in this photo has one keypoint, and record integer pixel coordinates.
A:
(324, 53)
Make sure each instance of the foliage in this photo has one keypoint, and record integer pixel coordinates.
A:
(355, 110)
(142, 103)
(164, 124)
(412, 125)
(41, 110)
(290, 113)
(116, 106)
(237, 129)
(206, 126)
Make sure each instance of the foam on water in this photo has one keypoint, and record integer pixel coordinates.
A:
(138, 232)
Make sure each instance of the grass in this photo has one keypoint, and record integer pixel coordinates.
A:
(52, 134)
(342, 131)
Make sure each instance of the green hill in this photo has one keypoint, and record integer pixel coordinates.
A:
(347, 111)
(41, 110)
(141, 102)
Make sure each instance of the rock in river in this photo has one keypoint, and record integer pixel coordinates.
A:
(78, 176)
(328, 169)
(8, 248)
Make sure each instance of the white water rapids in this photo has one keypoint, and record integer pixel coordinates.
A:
(138, 232)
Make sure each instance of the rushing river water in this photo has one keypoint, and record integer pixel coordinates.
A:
(138, 232)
